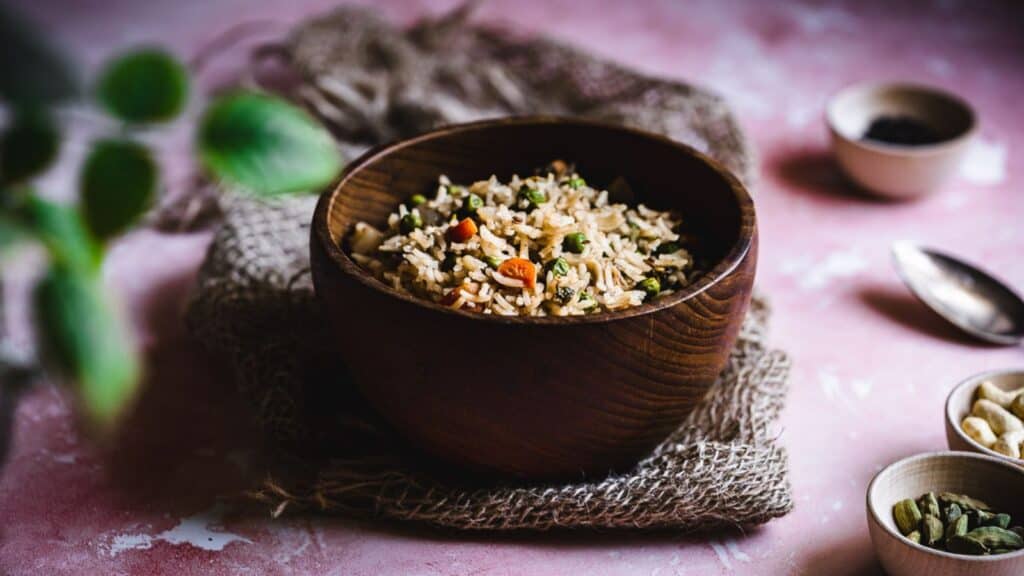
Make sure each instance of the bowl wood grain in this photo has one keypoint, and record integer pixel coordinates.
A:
(537, 398)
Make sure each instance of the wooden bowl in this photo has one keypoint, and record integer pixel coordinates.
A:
(1001, 485)
(958, 407)
(892, 170)
(537, 398)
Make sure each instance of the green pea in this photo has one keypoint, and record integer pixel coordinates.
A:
(564, 294)
(574, 242)
(667, 248)
(576, 182)
(449, 262)
(417, 199)
(587, 301)
(492, 261)
(472, 203)
(532, 195)
(410, 222)
(559, 266)
(651, 286)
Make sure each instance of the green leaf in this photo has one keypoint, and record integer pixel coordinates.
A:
(266, 145)
(81, 333)
(27, 146)
(118, 183)
(144, 86)
(32, 72)
(12, 232)
(61, 230)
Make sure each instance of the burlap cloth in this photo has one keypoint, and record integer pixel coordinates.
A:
(254, 304)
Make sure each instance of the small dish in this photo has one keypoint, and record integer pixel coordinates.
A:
(899, 171)
(990, 479)
(958, 406)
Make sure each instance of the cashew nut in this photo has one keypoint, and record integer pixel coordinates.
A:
(1009, 443)
(979, 430)
(998, 417)
(990, 391)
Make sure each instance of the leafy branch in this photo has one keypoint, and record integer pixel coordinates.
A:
(257, 142)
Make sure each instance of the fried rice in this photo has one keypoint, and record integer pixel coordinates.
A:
(536, 246)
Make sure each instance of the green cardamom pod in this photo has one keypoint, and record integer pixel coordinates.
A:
(993, 537)
(964, 502)
(914, 537)
(1001, 520)
(952, 513)
(957, 527)
(907, 515)
(929, 504)
(982, 518)
(965, 545)
(932, 530)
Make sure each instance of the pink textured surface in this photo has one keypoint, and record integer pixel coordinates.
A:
(872, 367)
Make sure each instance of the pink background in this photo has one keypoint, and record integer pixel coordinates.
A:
(872, 366)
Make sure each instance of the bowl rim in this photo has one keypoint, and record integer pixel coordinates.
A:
(873, 514)
(902, 150)
(735, 255)
(954, 423)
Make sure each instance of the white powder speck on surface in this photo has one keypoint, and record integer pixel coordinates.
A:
(722, 553)
(798, 116)
(201, 530)
(861, 387)
(734, 549)
(985, 163)
(838, 391)
(837, 505)
(812, 276)
(123, 542)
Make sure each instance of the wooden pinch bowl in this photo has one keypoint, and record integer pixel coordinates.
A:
(544, 398)
(999, 484)
(958, 407)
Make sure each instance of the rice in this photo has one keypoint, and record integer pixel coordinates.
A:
(536, 246)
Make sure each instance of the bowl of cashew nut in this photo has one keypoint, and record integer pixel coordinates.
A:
(985, 414)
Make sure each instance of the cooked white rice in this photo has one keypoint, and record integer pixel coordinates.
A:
(626, 250)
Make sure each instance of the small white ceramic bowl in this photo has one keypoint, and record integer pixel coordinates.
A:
(999, 484)
(958, 407)
(896, 170)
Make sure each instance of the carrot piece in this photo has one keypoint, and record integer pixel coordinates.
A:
(462, 231)
(520, 269)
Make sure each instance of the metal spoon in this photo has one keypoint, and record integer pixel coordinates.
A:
(970, 299)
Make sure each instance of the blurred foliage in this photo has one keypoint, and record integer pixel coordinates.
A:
(81, 334)
(256, 142)
(60, 229)
(118, 183)
(266, 145)
(28, 146)
(144, 86)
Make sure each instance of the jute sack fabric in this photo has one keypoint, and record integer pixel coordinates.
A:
(254, 304)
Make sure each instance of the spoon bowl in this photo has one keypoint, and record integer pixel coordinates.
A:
(964, 295)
